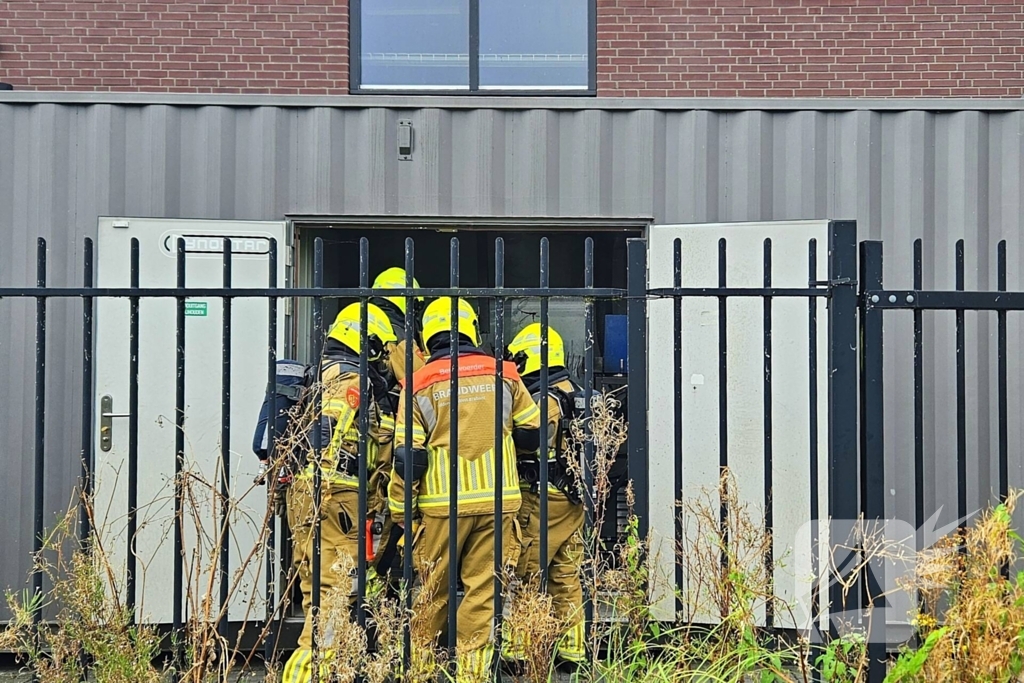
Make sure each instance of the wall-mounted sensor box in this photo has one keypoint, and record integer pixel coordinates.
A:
(405, 140)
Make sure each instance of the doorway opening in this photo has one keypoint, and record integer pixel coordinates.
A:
(477, 269)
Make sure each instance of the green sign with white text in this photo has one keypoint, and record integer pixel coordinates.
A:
(195, 308)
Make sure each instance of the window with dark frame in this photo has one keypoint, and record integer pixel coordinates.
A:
(473, 46)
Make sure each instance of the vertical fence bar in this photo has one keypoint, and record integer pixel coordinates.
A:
(872, 462)
(179, 458)
(88, 302)
(677, 343)
(1004, 461)
(812, 449)
(723, 403)
(364, 430)
(225, 448)
(769, 513)
(85, 492)
(545, 282)
(133, 428)
(270, 630)
(843, 457)
(588, 395)
(38, 500)
(636, 389)
(499, 447)
(453, 458)
(919, 466)
(919, 472)
(86, 483)
(407, 574)
(961, 398)
(1004, 467)
(318, 479)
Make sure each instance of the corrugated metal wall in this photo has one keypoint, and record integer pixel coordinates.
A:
(901, 174)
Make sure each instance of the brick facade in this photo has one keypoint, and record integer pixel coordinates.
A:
(646, 48)
(253, 46)
(810, 48)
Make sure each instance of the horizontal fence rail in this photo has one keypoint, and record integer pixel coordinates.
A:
(322, 293)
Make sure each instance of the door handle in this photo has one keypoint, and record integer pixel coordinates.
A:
(106, 417)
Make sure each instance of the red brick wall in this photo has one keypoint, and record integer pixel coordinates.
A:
(257, 46)
(657, 48)
(809, 48)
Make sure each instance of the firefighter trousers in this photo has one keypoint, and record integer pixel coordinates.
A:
(339, 544)
(565, 554)
(475, 560)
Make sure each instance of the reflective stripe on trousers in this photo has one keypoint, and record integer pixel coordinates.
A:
(299, 667)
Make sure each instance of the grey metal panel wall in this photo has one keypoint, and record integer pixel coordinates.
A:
(939, 175)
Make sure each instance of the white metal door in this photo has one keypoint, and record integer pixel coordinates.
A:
(202, 426)
(744, 384)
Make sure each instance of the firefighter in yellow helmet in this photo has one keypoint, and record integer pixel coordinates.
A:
(430, 456)
(394, 307)
(565, 508)
(341, 403)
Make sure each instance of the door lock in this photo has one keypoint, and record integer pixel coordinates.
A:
(106, 415)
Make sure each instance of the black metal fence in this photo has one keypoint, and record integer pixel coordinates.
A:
(855, 398)
(877, 305)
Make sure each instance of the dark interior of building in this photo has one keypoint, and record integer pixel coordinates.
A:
(477, 268)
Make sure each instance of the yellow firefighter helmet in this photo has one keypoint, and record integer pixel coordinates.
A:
(346, 329)
(437, 319)
(524, 350)
(394, 278)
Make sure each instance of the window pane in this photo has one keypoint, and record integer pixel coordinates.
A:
(415, 43)
(533, 43)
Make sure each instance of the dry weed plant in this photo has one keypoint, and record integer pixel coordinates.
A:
(972, 620)
(728, 587)
(724, 561)
(385, 615)
(428, 658)
(342, 643)
(210, 656)
(93, 623)
(619, 590)
(532, 627)
(93, 632)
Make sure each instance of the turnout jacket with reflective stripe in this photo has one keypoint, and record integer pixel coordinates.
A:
(340, 404)
(431, 431)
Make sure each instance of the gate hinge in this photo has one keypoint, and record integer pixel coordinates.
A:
(832, 283)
